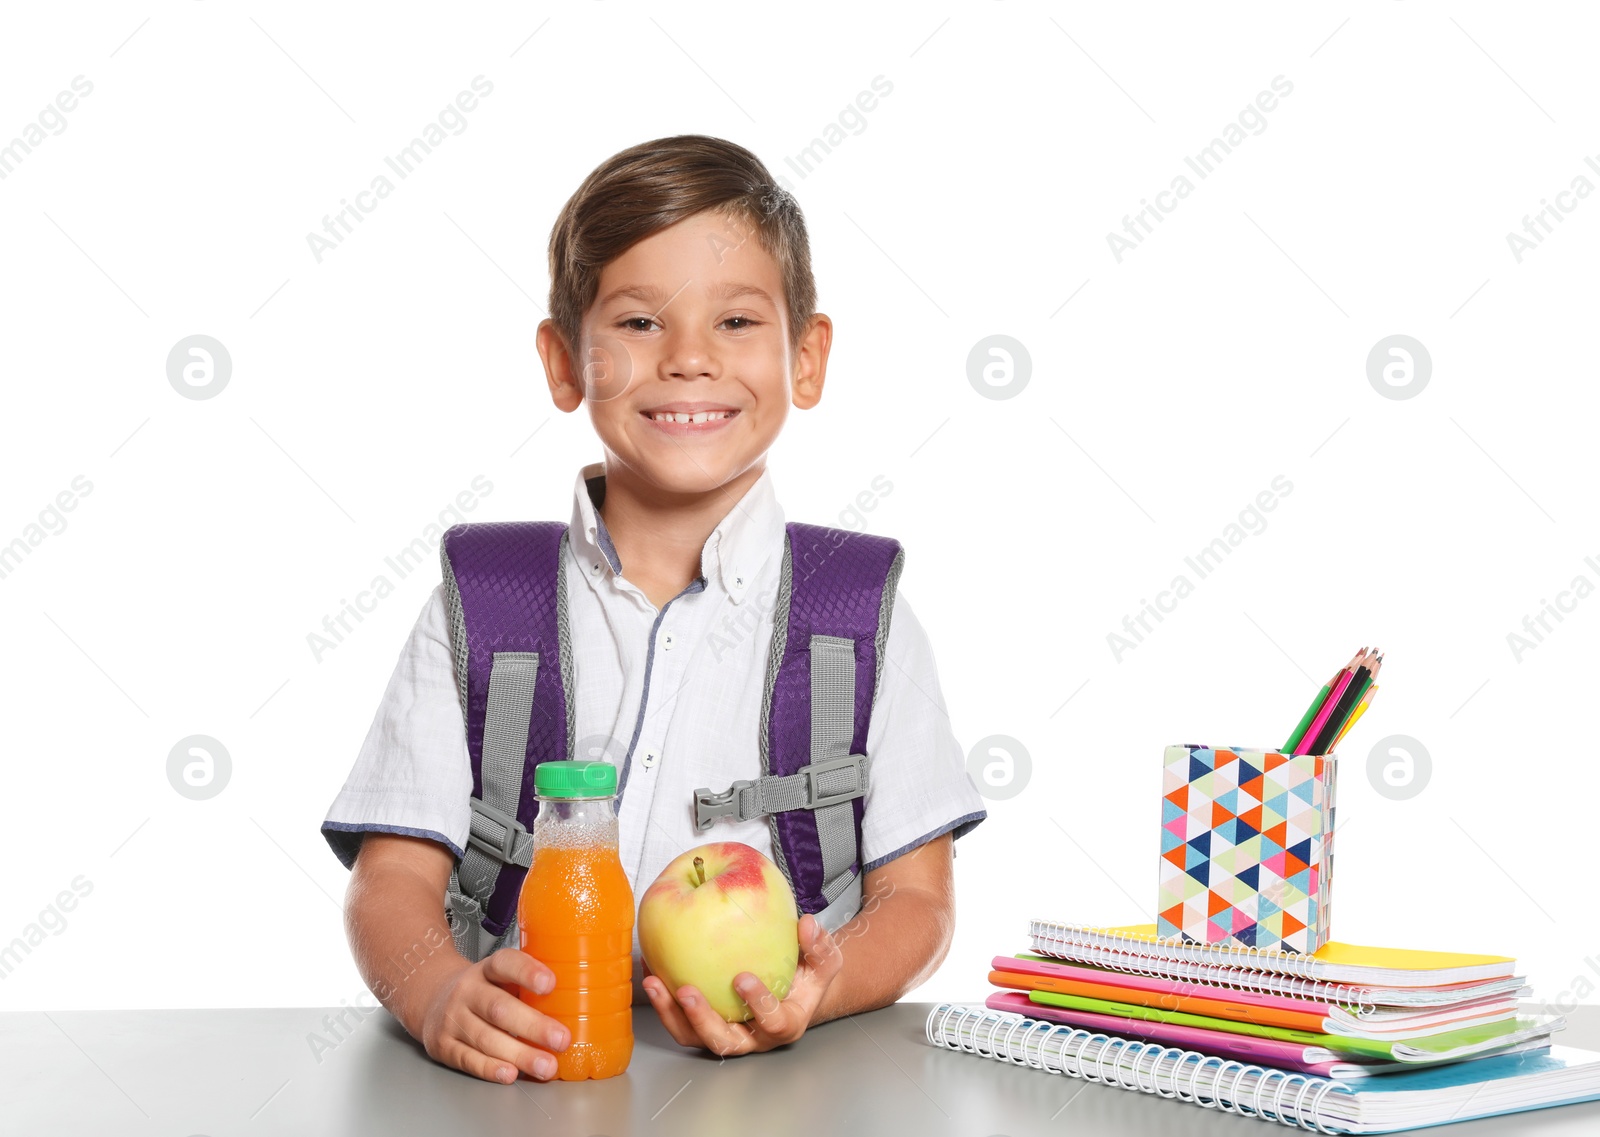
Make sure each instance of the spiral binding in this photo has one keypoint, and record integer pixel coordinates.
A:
(1097, 1057)
(1266, 971)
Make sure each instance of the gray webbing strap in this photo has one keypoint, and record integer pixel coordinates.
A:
(496, 837)
(465, 916)
(466, 924)
(845, 779)
(813, 787)
(833, 717)
(833, 779)
(843, 907)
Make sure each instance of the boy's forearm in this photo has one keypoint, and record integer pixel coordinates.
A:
(898, 938)
(401, 940)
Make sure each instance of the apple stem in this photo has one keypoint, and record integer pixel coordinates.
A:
(700, 869)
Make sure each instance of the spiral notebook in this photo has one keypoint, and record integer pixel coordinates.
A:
(1440, 1046)
(1277, 1053)
(1383, 1103)
(1029, 972)
(1336, 972)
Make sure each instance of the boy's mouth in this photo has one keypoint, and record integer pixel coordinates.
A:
(690, 418)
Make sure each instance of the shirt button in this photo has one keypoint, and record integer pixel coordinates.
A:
(650, 758)
(596, 568)
(666, 642)
(738, 582)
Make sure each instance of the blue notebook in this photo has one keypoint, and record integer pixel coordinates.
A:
(1383, 1103)
(1489, 1087)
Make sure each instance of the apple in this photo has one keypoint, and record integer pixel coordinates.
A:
(715, 911)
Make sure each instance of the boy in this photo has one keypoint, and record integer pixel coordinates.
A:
(681, 289)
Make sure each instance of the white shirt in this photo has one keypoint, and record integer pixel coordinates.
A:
(672, 697)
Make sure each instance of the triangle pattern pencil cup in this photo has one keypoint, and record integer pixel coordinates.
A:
(1246, 847)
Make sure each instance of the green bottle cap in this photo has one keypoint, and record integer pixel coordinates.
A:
(575, 779)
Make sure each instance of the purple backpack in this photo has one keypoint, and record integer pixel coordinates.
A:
(505, 586)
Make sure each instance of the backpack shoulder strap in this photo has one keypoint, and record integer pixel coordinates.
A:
(505, 587)
(830, 626)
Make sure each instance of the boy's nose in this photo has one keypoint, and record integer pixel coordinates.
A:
(688, 356)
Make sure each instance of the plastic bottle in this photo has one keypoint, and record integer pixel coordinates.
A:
(575, 915)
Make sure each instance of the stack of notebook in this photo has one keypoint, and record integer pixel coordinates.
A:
(1347, 1039)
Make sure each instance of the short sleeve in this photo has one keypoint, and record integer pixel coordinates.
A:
(413, 775)
(918, 787)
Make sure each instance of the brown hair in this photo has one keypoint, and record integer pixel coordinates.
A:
(646, 188)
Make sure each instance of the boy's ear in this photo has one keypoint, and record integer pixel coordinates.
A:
(566, 387)
(811, 368)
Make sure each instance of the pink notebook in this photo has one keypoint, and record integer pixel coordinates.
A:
(1259, 1051)
(1023, 966)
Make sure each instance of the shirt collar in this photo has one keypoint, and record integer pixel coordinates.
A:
(735, 551)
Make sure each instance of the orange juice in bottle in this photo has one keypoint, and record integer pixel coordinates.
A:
(575, 915)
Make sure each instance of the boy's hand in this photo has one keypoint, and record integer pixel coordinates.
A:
(478, 1023)
(691, 1022)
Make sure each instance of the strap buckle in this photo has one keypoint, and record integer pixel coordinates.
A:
(709, 806)
(817, 798)
(512, 846)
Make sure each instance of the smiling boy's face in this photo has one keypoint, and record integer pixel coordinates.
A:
(685, 361)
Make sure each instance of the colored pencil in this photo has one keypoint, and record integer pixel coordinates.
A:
(1361, 709)
(1363, 701)
(1343, 721)
(1305, 719)
(1323, 740)
(1340, 683)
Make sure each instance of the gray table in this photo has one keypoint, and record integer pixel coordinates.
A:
(254, 1072)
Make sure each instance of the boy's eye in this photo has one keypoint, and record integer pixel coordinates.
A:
(632, 323)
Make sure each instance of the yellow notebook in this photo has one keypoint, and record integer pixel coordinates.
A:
(1334, 962)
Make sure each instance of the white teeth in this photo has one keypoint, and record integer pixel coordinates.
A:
(697, 416)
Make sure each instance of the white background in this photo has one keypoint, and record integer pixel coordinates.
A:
(1169, 390)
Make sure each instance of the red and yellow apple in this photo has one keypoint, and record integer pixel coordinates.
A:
(714, 912)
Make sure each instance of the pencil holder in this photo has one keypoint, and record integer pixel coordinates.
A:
(1246, 847)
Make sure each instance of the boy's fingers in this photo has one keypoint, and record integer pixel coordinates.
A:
(716, 1033)
(458, 1047)
(768, 1016)
(458, 1054)
(820, 941)
(512, 965)
(821, 950)
(695, 1024)
(491, 1041)
(671, 1016)
(510, 1014)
